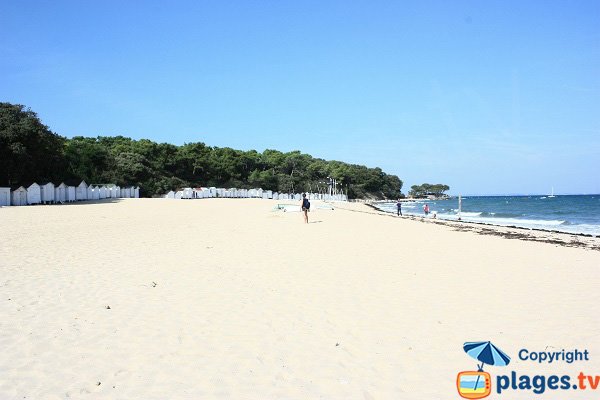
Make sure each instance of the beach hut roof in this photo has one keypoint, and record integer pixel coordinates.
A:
(71, 182)
(17, 187)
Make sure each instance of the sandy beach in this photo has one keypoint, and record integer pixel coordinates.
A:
(227, 299)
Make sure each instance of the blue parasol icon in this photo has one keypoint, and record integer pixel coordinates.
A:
(487, 353)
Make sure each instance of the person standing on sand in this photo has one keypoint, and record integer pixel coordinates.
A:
(426, 209)
(399, 206)
(305, 207)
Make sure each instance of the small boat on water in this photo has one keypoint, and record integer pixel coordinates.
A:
(552, 195)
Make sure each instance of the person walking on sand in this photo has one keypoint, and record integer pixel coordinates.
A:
(426, 209)
(399, 207)
(305, 207)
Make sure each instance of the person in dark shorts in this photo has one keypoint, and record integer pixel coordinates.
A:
(305, 207)
(399, 207)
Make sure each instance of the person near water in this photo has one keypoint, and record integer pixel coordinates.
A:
(399, 207)
(305, 207)
(426, 209)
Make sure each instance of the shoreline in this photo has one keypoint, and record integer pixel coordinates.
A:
(547, 223)
(509, 232)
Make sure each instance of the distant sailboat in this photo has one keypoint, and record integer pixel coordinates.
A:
(552, 195)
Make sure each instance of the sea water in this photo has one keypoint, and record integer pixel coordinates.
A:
(565, 213)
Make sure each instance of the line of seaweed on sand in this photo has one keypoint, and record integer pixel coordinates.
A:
(557, 238)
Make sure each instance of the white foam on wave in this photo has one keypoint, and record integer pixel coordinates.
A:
(470, 214)
(451, 214)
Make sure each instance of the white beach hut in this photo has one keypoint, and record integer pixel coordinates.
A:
(275, 196)
(136, 192)
(95, 195)
(188, 193)
(179, 194)
(170, 195)
(81, 193)
(47, 192)
(90, 192)
(34, 195)
(19, 196)
(71, 196)
(60, 193)
(116, 192)
(102, 192)
(4, 196)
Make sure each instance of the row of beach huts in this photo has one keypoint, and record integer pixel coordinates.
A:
(203, 193)
(48, 193)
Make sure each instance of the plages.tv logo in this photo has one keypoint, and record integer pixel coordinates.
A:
(478, 384)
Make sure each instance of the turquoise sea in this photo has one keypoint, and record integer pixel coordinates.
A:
(564, 213)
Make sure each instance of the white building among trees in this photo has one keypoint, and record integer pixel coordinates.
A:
(19, 196)
(47, 193)
(34, 195)
(71, 193)
(4, 196)
(60, 193)
(82, 191)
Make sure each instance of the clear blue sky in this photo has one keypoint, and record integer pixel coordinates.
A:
(487, 97)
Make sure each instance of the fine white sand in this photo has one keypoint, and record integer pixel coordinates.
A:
(223, 298)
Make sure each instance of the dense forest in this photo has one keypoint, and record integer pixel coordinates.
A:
(30, 151)
(427, 189)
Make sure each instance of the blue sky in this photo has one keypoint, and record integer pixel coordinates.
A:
(487, 97)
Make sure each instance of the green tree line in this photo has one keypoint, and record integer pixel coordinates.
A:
(427, 189)
(30, 151)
